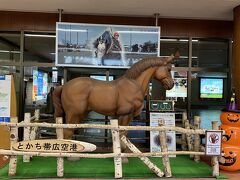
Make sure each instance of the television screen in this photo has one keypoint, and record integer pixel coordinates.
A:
(101, 77)
(211, 88)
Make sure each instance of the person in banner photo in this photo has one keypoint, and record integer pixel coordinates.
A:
(108, 46)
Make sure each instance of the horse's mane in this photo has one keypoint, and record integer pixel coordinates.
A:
(144, 64)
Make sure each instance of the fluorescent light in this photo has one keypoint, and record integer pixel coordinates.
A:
(168, 40)
(186, 40)
(40, 35)
(180, 40)
(53, 53)
(185, 57)
(137, 32)
(6, 51)
(72, 30)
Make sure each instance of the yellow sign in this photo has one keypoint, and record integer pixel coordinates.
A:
(54, 145)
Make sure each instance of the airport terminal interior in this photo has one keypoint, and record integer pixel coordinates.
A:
(44, 47)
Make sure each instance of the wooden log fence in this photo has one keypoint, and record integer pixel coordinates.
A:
(145, 159)
(13, 139)
(196, 145)
(117, 155)
(116, 150)
(183, 137)
(99, 126)
(215, 163)
(60, 160)
(163, 145)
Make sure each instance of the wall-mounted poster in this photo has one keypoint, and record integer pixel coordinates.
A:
(40, 85)
(111, 46)
(5, 98)
(169, 119)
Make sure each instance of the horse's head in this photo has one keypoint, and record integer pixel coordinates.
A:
(163, 73)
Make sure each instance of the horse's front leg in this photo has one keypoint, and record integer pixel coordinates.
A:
(124, 121)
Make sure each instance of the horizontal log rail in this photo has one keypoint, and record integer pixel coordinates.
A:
(98, 126)
(97, 155)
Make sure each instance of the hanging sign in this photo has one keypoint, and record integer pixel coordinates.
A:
(213, 143)
(5, 98)
(161, 105)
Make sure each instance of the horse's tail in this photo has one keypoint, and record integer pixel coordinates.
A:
(58, 110)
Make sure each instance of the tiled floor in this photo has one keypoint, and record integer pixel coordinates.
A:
(231, 175)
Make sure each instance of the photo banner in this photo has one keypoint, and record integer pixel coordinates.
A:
(106, 46)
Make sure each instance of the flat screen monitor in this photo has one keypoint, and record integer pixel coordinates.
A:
(211, 88)
(101, 77)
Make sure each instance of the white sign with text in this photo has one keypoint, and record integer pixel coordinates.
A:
(169, 119)
(213, 143)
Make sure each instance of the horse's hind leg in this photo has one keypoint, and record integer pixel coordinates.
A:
(68, 133)
(71, 119)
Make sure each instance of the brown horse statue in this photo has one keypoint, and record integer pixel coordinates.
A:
(122, 98)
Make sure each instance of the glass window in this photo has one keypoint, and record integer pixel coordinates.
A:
(9, 47)
(210, 53)
(39, 82)
(39, 48)
(209, 95)
(169, 46)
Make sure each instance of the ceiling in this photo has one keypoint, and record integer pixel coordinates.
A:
(190, 9)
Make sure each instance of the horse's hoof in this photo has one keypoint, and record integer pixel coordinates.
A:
(73, 158)
(125, 160)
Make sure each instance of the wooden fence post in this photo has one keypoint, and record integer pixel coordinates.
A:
(215, 163)
(26, 133)
(163, 144)
(189, 137)
(13, 139)
(116, 149)
(37, 114)
(34, 130)
(60, 160)
(183, 137)
(197, 122)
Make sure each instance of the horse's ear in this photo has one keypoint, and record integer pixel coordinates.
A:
(170, 59)
(177, 54)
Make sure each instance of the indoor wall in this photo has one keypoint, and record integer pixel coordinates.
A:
(28, 43)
